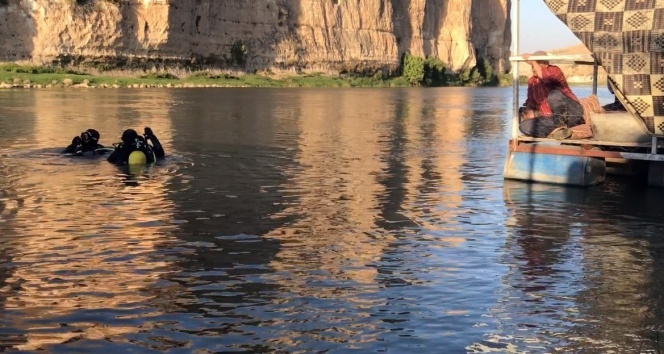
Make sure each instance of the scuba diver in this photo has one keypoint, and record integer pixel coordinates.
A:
(135, 149)
(87, 142)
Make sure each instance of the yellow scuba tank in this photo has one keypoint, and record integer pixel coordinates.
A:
(137, 157)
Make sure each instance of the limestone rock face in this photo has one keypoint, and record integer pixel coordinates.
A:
(309, 35)
(491, 35)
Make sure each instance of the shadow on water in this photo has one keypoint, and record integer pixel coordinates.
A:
(592, 256)
(482, 128)
(224, 206)
(395, 221)
(11, 200)
(279, 218)
(312, 220)
(9, 205)
(76, 236)
(429, 178)
(396, 174)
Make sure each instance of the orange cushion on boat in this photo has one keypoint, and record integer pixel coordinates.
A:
(590, 104)
(583, 131)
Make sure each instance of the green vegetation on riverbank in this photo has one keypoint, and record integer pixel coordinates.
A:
(433, 72)
(414, 72)
(47, 77)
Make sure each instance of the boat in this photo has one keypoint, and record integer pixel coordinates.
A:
(626, 38)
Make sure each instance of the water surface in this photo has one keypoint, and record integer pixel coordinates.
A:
(312, 220)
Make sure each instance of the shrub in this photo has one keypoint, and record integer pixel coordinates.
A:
(475, 78)
(485, 70)
(27, 69)
(464, 75)
(434, 72)
(412, 68)
(505, 79)
(160, 76)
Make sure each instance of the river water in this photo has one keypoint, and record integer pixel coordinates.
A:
(312, 220)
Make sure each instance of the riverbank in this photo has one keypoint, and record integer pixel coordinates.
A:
(15, 76)
(25, 80)
(23, 76)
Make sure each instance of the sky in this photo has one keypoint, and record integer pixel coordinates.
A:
(540, 29)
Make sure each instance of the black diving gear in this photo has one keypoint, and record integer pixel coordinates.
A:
(88, 141)
(131, 141)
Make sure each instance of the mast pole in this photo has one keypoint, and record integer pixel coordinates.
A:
(595, 73)
(515, 68)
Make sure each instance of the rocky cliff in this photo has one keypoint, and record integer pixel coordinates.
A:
(309, 35)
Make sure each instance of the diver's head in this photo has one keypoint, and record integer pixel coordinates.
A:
(129, 137)
(90, 137)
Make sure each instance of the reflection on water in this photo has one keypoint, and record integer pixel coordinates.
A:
(311, 220)
(587, 257)
(78, 236)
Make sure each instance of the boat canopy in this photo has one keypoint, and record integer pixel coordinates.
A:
(626, 38)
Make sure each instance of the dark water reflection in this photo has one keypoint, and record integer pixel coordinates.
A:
(311, 221)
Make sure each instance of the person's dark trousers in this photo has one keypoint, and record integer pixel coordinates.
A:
(566, 113)
(539, 127)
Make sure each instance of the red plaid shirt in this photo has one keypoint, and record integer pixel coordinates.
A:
(538, 89)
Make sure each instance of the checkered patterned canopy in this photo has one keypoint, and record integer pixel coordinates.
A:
(627, 38)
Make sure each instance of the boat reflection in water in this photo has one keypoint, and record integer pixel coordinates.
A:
(585, 275)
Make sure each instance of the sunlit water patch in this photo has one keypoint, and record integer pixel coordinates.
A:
(311, 221)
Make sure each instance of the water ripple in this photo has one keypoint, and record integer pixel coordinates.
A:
(316, 221)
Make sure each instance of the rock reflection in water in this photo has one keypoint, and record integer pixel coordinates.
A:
(359, 195)
(78, 242)
(311, 220)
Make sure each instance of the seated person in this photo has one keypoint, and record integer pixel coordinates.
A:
(551, 104)
(88, 141)
(148, 144)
